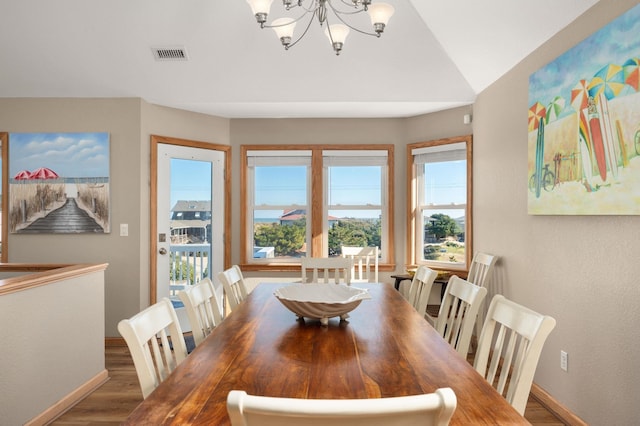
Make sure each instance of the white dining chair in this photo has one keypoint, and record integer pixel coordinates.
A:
(336, 270)
(365, 263)
(203, 308)
(420, 289)
(154, 361)
(428, 409)
(512, 339)
(480, 271)
(459, 312)
(234, 287)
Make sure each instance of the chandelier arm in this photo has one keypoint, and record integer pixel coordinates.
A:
(338, 13)
(355, 5)
(345, 12)
(308, 9)
(288, 23)
(349, 4)
(304, 32)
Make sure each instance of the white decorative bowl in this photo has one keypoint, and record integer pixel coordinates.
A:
(321, 301)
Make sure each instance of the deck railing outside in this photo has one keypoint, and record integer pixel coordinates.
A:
(189, 263)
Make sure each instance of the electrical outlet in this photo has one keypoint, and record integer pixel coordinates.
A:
(564, 361)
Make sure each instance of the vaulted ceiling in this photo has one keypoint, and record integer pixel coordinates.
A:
(433, 55)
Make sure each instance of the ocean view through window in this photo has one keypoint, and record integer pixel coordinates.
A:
(287, 191)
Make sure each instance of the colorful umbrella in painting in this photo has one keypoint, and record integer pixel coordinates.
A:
(580, 95)
(23, 175)
(580, 101)
(44, 173)
(631, 70)
(536, 112)
(609, 80)
(555, 107)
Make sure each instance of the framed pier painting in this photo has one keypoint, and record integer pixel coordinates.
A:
(584, 126)
(59, 183)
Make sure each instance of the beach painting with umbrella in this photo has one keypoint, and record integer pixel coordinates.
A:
(59, 183)
(584, 126)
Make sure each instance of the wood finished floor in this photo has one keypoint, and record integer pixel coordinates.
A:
(113, 401)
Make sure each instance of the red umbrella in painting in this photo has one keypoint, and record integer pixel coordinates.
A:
(44, 173)
(580, 95)
(580, 101)
(632, 73)
(536, 112)
(23, 175)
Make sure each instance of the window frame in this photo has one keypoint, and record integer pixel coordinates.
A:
(317, 241)
(413, 209)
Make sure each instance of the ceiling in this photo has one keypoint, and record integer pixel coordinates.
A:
(433, 55)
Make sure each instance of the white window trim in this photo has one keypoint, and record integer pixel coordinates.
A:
(270, 158)
(441, 150)
(357, 158)
(352, 152)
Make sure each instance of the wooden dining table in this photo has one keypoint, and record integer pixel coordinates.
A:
(384, 349)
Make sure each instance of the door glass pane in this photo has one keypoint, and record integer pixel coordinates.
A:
(190, 222)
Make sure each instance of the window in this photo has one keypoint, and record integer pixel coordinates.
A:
(355, 185)
(311, 200)
(440, 203)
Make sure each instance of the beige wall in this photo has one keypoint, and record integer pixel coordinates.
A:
(121, 119)
(582, 270)
(129, 122)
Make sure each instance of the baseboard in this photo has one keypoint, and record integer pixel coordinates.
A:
(559, 410)
(70, 400)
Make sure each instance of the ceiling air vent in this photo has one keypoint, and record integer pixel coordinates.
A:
(170, 53)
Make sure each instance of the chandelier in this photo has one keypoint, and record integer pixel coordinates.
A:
(310, 9)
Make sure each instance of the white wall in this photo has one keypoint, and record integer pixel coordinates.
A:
(582, 270)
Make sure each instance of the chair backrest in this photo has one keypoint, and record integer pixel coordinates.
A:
(428, 409)
(481, 268)
(335, 270)
(480, 271)
(519, 335)
(421, 288)
(459, 312)
(234, 288)
(153, 361)
(202, 308)
(365, 263)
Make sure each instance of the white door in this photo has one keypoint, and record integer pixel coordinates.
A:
(190, 220)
